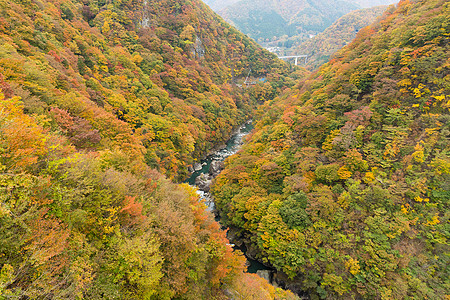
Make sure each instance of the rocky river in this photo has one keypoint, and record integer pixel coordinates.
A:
(205, 171)
(202, 175)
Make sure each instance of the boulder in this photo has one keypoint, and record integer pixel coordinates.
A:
(216, 167)
(233, 236)
(282, 280)
(203, 182)
(266, 274)
(197, 166)
(252, 251)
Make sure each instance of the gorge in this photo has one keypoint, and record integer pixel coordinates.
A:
(342, 187)
(202, 178)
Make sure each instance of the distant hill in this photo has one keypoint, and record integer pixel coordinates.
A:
(288, 23)
(270, 20)
(342, 32)
(218, 5)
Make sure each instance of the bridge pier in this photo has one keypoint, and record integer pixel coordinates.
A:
(296, 57)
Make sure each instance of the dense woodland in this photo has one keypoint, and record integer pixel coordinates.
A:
(101, 104)
(343, 187)
(162, 82)
(345, 183)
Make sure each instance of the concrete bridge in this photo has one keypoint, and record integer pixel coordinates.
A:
(296, 58)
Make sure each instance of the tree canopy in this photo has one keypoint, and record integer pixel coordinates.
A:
(344, 185)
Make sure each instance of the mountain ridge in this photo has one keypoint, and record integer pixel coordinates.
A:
(298, 16)
(285, 24)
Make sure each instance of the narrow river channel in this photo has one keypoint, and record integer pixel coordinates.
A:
(204, 173)
(204, 167)
(232, 146)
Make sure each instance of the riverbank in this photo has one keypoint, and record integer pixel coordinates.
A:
(207, 169)
(202, 177)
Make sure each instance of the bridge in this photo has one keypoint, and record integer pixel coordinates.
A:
(296, 58)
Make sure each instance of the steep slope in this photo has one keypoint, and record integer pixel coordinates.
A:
(154, 80)
(344, 185)
(342, 32)
(93, 97)
(72, 227)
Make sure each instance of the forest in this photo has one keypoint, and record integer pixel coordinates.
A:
(103, 107)
(342, 187)
(287, 24)
(267, 21)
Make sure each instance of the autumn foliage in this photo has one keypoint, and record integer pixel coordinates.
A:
(115, 77)
(97, 106)
(344, 184)
(73, 227)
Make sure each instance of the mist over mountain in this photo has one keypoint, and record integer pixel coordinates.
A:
(372, 3)
(269, 20)
(218, 5)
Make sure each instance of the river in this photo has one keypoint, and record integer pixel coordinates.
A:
(205, 175)
(232, 146)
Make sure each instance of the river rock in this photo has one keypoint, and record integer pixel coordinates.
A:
(233, 236)
(190, 169)
(266, 274)
(203, 182)
(215, 167)
(197, 166)
(282, 280)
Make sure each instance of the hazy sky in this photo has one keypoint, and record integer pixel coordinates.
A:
(218, 5)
